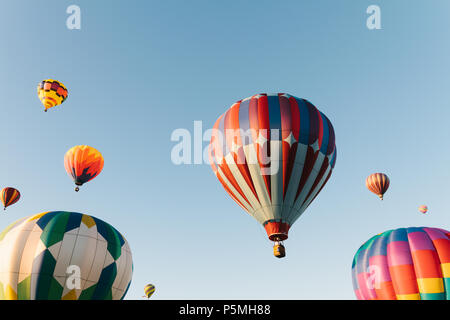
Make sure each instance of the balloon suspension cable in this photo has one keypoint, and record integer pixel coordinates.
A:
(278, 241)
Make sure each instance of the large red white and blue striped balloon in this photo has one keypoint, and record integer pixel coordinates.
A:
(273, 153)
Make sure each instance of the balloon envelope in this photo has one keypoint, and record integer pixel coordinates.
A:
(423, 209)
(149, 290)
(404, 264)
(273, 153)
(62, 255)
(378, 183)
(9, 196)
(83, 163)
(51, 93)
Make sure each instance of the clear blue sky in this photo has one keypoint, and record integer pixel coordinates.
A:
(137, 70)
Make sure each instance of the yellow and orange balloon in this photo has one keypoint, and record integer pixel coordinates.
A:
(378, 183)
(51, 93)
(83, 163)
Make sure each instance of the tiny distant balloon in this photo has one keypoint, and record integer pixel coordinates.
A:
(149, 290)
(51, 93)
(378, 183)
(83, 163)
(9, 196)
(423, 209)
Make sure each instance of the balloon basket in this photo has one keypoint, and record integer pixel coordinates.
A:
(279, 250)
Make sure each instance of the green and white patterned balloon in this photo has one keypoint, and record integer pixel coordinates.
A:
(61, 255)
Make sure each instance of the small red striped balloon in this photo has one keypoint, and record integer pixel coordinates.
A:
(9, 196)
(378, 183)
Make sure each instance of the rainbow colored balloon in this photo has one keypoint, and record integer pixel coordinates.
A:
(423, 209)
(404, 264)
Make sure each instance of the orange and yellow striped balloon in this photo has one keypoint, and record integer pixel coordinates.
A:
(83, 163)
(51, 93)
(378, 183)
(149, 290)
(9, 196)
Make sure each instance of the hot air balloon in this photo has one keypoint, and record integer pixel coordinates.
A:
(51, 93)
(9, 196)
(423, 209)
(404, 264)
(273, 153)
(61, 255)
(378, 183)
(149, 290)
(83, 163)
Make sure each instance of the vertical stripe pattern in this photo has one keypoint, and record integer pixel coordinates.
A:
(273, 153)
(9, 196)
(378, 183)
